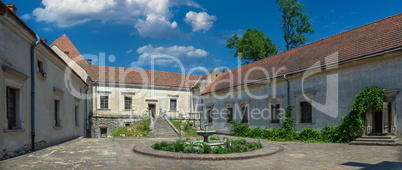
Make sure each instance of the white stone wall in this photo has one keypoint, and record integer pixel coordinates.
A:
(382, 71)
(15, 45)
(141, 97)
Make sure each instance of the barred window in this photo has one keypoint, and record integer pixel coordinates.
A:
(173, 105)
(104, 102)
(12, 107)
(127, 103)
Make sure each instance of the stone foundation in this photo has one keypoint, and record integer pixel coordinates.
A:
(103, 125)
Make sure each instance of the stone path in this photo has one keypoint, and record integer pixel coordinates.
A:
(117, 153)
(163, 130)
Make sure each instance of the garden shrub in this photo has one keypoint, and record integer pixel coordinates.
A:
(309, 135)
(344, 133)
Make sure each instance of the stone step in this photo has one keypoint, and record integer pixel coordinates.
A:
(379, 137)
(163, 130)
(375, 143)
(375, 140)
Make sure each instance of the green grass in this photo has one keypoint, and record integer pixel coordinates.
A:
(188, 130)
(138, 129)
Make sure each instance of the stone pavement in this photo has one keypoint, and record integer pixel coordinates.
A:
(162, 129)
(117, 153)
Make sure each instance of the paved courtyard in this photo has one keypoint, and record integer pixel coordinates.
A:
(117, 153)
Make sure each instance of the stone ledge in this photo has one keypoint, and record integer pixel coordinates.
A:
(267, 149)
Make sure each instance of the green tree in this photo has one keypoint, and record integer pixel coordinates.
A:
(252, 46)
(295, 23)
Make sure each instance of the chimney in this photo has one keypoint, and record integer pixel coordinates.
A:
(12, 8)
(89, 61)
(44, 40)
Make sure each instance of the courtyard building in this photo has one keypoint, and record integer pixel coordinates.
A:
(319, 80)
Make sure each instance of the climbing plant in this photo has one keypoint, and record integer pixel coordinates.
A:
(369, 97)
(344, 133)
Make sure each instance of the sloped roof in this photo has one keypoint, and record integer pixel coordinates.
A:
(369, 40)
(139, 76)
(64, 43)
(198, 82)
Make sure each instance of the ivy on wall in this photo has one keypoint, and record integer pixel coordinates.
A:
(344, 133)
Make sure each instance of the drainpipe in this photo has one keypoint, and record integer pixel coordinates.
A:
(33, 92)
(86, 112)
(288, 89)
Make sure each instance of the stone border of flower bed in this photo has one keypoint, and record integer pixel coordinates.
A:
(267, 149)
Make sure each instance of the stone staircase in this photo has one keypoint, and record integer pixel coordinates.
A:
(163, 130)
(377, 139)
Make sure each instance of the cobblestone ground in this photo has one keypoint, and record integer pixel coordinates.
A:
(116, 153)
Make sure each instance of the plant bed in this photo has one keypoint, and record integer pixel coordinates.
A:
(197, 146)
(138, 129)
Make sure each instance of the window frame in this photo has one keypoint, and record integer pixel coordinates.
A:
(173, 108)
(56, 113)
(16, 104)
(244, 117)
(275, 113)
(102, 106)
(229, 112)
(306, 118)
(209, 113)
(126, 104)
(76, 115)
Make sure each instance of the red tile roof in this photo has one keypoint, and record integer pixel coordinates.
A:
(369, 40)
(65, 45)
(139, 76)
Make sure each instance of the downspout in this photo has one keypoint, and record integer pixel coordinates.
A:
(33, 92)
(288, 90)
(86, 112)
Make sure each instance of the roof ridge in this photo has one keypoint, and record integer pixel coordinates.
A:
(351, 44)
(341, 33)
(145, 69)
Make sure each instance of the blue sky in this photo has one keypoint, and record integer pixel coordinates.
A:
(131, 32)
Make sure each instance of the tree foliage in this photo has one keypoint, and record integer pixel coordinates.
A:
(295, 23)
(252, 46)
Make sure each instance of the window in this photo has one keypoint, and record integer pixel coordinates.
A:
(12, 95)
(229, 114)
(244, 113)
(173, 105)
(275, 113)
(306, 112)
(76, 115)
(41, 68)
(57, 113)
(210, 114)
(127, 103)
(104, 102)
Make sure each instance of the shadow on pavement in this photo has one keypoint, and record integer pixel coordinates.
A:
(382, 165)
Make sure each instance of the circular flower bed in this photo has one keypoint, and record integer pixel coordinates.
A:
(226, 146)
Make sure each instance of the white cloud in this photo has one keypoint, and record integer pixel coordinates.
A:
(156, 27)
(151, 18)
(47, 29)
(26, 16)
(129, 51)
(200, 21)
(165, 56)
